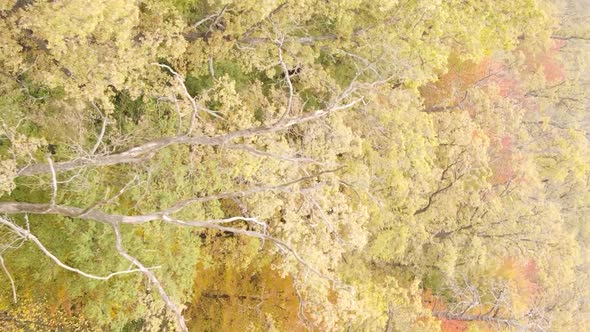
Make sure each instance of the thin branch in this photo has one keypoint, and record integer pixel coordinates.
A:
(301, 308)
(252, 220)
(390, 318)
(211, 68)
(279, 243)
(102, 130)
(571, 37)
(9, 277)
(53, 181)
(152, 278)
(97, 215)
(26, 234)
(180, 81)
(201, 21)
(257, 152)
(278, 188)
(287, 79)
(191, 99)
(217, 18)
(110, 200)
(510, 322)
(253, 28)
(146, 150)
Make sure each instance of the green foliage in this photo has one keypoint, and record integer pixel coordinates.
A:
(461, 153)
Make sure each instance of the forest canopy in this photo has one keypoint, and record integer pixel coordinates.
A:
(341, 165)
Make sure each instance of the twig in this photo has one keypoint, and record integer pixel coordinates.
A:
(180, 81)
(253, 220)
(301, 307)
(191, 99)
(217, 17)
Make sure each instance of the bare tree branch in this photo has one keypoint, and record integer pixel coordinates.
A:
(203, 20)
(26, 234)
(211, 68)
(257, 152)
(140, 152)
(279, 243)
(53, 181)
(102, 129)
(509, 322)
(287, 78)
(14, 299)
(195, 106)
(253, 28)
(301, 308)
(97, 215)
(151, 277)
(390, 318)
(110, 200)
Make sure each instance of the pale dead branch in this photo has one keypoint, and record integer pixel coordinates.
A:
(53, 181)
(14, 298)
(279, 243)
(280, 43)
(102, 129)
(146, 150)
(257, 152)
(29, 236)
(195, 115)
(110, 200)
(211, 68)
(151, 277)
(97, 215)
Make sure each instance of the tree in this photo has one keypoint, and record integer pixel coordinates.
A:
(371, 149)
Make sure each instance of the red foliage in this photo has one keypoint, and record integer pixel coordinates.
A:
(448, 325)
(461, 75)
(506, 142)
(503, 160)
(552, 68)
(500, 76)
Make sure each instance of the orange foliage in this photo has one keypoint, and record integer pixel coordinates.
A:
(448, 325)
(460, 76)
(230, 299)
(434, 303)
(524, 275)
